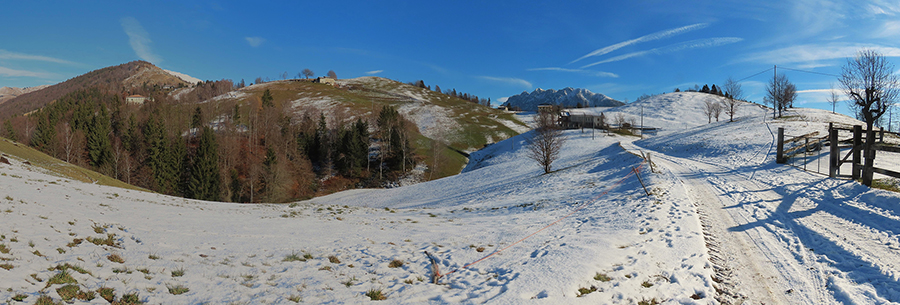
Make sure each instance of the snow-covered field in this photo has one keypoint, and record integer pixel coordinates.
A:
(724, 225)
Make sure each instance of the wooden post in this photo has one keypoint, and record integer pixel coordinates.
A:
(779, 155)
(638, 174)
(835, 154)
(857, 148)
(805, 152)
(881, 135)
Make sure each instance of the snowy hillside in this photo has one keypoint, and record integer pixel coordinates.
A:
(671, 111)
(567, 97)
(724, 225)
(187, 78)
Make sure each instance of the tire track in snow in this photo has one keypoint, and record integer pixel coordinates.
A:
(755, 250)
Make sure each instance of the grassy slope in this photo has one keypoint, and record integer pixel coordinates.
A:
(58, 167)
(476, 123)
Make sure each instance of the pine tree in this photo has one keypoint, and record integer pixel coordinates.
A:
(10, 131)
(98, 144)
(267, 98)
(204, 182)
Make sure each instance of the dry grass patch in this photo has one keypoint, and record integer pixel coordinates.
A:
(177, 289)
(6, 266)
(395, 263)
(375, 295)
(116, 258)
(69, 292)
(4, 249)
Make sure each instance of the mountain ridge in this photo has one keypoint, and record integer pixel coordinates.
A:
(566, 97)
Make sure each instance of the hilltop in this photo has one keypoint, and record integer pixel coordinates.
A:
(721, 216)
(116, 79)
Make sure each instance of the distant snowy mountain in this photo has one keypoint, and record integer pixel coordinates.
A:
(569, 97)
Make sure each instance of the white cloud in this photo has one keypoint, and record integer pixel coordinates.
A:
(645, 38)
(255, 41)
(889, 29)
(508, 80)
(811, 53)
(4, 54)
(20, 73)
(139, 40)
(587, 72)
(687, 45)
(374, 72)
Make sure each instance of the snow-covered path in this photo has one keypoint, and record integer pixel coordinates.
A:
(778, 235)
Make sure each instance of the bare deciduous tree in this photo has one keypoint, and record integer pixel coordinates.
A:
(331, 74)
(733, 94)
(833, 100)
(709, 107)
(307, 73)
(870, 83)
(547, 141)
(717, 110)
(780, 92)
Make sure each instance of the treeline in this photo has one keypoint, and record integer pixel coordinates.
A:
(452, 92)
(705, 89)
(252, 151)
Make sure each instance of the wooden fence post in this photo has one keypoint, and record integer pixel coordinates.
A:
(857, 148)
(835, 155)
(779, 155)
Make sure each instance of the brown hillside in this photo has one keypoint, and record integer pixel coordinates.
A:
(116, 79)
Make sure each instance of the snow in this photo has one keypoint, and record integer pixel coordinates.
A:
(187, 78)
(724, 225)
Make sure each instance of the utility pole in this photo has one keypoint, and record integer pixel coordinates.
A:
(774, 90)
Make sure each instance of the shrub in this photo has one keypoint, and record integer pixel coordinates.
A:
(115, 258)
(334, 259)
(46, 300)
(63, 277)
(293, 257)
(583, 291)
(129, 299)
(69, 292)
(375, 295)
(108, 294)
(177, 289)
(395, 263)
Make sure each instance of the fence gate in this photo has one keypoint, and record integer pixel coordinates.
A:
(841, 151)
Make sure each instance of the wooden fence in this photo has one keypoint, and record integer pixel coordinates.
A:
(789, 147)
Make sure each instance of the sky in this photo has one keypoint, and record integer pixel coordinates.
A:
(492, 49)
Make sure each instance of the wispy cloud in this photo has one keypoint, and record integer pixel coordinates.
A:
(255, 41)
(508, 80)
(687, 45)
(645, 38)
(22, 73)
(374, 72)
(811, 53)
(581, 71)
(139, 40)
(889, 29)
(4, 54)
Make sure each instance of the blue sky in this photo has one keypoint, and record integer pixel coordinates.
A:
(488, 48)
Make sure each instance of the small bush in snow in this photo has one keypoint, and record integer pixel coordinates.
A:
(395, 263)
(375, 295)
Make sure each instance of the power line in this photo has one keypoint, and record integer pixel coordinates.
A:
(764, 71)
(820, 73)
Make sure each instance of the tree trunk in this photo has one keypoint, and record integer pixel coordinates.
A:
(869, 153)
